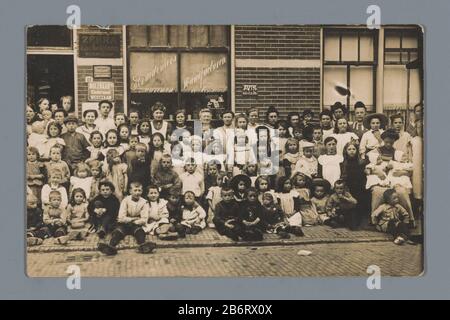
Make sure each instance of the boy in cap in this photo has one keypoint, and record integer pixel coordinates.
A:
(76, 144)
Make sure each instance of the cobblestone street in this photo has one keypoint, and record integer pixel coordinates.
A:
(332, 259)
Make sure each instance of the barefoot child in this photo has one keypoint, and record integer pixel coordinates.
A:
(55, 218)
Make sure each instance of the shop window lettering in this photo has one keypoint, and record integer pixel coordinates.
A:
(198, 78)
(140, 81)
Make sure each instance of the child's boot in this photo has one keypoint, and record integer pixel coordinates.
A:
(33, 241)
(107, 249)
(146, 247)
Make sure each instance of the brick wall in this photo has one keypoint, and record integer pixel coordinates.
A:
(277, 42)
(289, 88)
(87, 70)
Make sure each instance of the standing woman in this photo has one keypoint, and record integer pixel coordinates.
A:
(339, 111)
(272, 116)
(89, 125)
(205, 116)
(31, 117)
(293, 119)
(180, 121)
(158, 124)
(66, 103)
(415, 129)
(43, 104)
(404, 142)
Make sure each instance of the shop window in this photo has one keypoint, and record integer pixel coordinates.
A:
(349, 62)
(183, 67)
(402, 69)
(49, 36)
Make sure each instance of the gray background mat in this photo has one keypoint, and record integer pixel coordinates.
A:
(434, 16)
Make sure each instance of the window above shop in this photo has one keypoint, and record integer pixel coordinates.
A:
(401, 46)
(49, 36)
(180, 36)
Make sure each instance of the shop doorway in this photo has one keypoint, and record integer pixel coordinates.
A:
(49, 76)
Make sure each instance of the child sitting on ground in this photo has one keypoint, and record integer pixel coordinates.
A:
(274, 217)
(175, 209)
(227, 218)
(251, 217)
(158, 217)
(192, 180)
(321, 189)
(308, 211)
(35, 232)
(81, 179)
(133, 216)
(194, 216)
(341, 207)
(290, 204)
(103, 209)
(55, 218)
(392, 218)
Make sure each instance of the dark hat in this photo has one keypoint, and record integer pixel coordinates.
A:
(338, 105)
(71, 118)
(369, 117)
(390, 133)
(322, 183)
(240, 177)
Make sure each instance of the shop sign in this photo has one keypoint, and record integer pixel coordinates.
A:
(100, 90)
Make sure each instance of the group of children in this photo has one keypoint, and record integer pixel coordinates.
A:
(129, 176)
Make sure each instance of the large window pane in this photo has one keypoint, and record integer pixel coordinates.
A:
(204, 72)
(138, 36)
(153, 72)
(218, 36)
(179, 36)
(350, 47)
(395, 86)
(361, 86)
(410, 40)
(158, 36)
(332, 77)
(199, 36)
(331, 47)
(392, 40)
(366, 48)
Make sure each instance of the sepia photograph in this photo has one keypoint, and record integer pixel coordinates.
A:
(224, 150)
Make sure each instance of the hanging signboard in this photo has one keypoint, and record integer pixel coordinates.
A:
(100, 90)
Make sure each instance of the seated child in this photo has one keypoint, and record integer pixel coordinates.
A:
(55, 218)
(158, 217)
(308, 211)
(55, 163)
(165, 177)
(341, 207)
(95, 167)
(103, 209)
(321, 189)
(77, 215)
(275, 219)
(194, 216)
(175, 209)
(214, 197)
(54, 185)
(35, 232)
(290, 202)
(262, 184)
(307, 163)
(392, 218)
(133, 217)
(251, 216)
(240, 184)
(227, 218)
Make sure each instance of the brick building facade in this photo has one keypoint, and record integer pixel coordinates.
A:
(293, 67)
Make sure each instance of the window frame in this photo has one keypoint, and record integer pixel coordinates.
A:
(341, 31)
(180, 51)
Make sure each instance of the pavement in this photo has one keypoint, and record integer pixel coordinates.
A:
(326, 259)
(211, 238)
